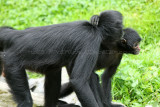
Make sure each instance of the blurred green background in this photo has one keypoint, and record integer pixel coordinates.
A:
(137, 81)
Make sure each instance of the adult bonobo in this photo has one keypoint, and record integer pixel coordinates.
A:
(47, 49)
(109, 58)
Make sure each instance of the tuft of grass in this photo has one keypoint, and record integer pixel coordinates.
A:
(136, 83)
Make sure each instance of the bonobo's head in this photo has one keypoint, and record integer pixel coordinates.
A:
(110, 23)
(130, 41)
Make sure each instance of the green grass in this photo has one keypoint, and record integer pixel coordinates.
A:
(137, 82)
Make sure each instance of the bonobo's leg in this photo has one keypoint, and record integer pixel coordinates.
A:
(52, 86)
(96, 88)
(82, 70)
(106, 84)
(17, 81)
(1, 65)
(66, 89)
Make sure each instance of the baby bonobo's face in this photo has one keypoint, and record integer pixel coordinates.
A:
(136, 48)
(130, 41)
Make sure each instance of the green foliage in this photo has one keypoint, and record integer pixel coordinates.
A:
(33, 74)
(137, 81)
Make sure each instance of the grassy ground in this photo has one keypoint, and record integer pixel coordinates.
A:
(137, 82)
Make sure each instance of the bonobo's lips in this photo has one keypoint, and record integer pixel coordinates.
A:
(137, 50)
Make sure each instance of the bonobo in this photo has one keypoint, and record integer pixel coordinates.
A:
(109, 58)
(47, 49)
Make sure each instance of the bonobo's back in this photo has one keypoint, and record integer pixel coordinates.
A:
(54, 41)
(73, 32)
(76, 33)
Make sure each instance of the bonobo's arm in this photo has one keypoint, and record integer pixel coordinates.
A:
(81, 73)
(106, 84)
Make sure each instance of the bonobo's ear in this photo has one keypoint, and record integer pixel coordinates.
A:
(123, 41)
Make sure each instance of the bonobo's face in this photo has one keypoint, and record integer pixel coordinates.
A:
(130, 41)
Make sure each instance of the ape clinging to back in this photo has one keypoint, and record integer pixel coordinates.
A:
(47, 49)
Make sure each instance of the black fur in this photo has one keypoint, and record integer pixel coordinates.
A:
(109, 58)
(47, 49)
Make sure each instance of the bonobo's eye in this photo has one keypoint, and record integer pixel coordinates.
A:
(135, 44)
(123, 41)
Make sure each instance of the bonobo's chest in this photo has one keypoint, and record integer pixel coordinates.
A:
(108, 58)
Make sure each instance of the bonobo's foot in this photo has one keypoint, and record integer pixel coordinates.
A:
(117, 105)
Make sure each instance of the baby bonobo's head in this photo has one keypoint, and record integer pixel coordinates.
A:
(130, 41)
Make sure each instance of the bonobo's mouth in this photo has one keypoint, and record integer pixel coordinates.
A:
(136, 50)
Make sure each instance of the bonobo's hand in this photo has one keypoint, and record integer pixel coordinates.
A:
(117, 105)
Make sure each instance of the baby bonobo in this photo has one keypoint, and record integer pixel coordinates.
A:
(109, 58)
